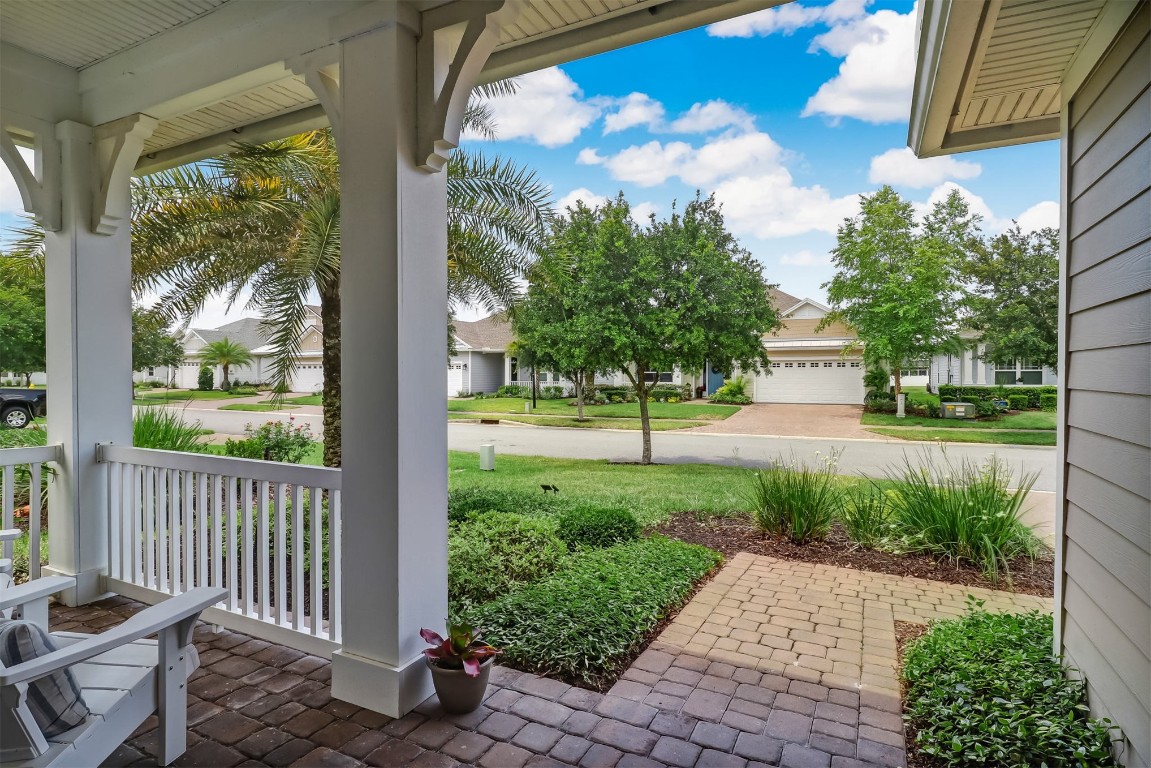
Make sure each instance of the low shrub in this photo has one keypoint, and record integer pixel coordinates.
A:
(244, 448)
(584, 621)
(731, 393)
(1049, 402)
(984, 690)
(1017, 402)
(669, 393)
(551, 392)
(866, 514)
(514, 390)
(963, 512)
(986, 408)
(595, 526)
(282, 441)
(933, 410)
(796, 499)
(464, 503)
(494, 552)
(244, 390)
(877, 378)
(879, 401)
(974, 393)
(206, 381)
(612, 394)
(464, 393)
(166, 430)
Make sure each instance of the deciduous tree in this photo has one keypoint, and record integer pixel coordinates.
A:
(22, 335)
(153, 346)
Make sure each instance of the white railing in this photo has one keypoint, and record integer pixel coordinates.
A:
(184, 520)
(22, 488)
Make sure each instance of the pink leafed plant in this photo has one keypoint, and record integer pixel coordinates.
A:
(462, 649)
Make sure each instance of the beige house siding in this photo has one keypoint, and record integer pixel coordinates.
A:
(1106, 593)
(804, 328)
(312, 341)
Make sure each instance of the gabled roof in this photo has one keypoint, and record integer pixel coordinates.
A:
(249, 332)
(782, 301)
(492, 332)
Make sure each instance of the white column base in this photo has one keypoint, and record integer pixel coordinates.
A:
(89, 586)
(380, 687)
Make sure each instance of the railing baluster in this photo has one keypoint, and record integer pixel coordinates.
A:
(188, 528)
(7, 515)
(298, 557)
(150, 530)
(217, 512)
(263, 543)
(335, 578)
(137, 524)
(233, 539)
(115, 522)
(162, 529)
(281, 580)
(35, 504)
(202, 513)
(246, 533)
(175, 531)
(127, 522)
(316, 496)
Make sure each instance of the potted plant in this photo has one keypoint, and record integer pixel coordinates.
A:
(460, 665)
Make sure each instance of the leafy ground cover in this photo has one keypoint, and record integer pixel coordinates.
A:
(997, 437)
(1022, 420)
(985, 690)
(515, 405)
(657, 425)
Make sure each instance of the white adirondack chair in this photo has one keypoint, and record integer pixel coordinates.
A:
(123, 678)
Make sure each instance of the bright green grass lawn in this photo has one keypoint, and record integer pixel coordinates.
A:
(261, 407)
(1001, 437)
(314, 456)
(303, 400)
(920, 396)
(188, 394)
(1024, 420)
(615, 410)
(657, 425)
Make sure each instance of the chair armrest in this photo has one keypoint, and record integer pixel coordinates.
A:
(147, 622)
(10, 534)
(15, 597)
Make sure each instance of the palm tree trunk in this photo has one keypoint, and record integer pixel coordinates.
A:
(330, 317)
(224, 385)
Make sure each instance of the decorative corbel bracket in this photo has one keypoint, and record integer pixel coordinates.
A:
(116, 148)
(454, 45)
(321, 72)
(39, 189)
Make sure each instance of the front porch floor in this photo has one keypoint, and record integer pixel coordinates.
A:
(772, 663)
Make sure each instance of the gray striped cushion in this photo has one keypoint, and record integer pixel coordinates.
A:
(55, 699)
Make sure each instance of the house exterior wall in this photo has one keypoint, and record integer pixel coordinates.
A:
(486, 370)
(804, 328)
(1104, 600)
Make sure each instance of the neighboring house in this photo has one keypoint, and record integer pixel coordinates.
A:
(998, 74)
(253, 334)
(969, 367)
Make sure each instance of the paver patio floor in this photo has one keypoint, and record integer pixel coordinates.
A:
(772, 663)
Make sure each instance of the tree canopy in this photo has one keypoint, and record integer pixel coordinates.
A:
(898, 282)
(22, 336)
(612, 295)
(226, 353)
(152, 345)
(1014, 301)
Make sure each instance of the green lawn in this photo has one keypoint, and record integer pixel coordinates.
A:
(1024, 420)
(616, 410)
(260, 407)
(657, 425)
(187, 394)
(998, 437)
(303, 400)
(920, 396)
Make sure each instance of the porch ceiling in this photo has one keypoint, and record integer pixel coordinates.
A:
(214, 71)
(995, 73)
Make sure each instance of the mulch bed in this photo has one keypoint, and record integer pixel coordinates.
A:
(905, 633)
(730, 535)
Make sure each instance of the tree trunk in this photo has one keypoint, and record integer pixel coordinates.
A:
(898, 385)
(577, 381)
(645, 422)
(224, 385)
(330, 317)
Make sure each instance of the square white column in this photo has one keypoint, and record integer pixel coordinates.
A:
(394, 315)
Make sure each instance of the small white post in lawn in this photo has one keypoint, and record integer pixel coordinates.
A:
(900, 405)
(487, 457)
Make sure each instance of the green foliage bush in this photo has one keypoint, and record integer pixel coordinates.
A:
(796, 499)
(166, 430)
(1017, 402)
(595, 526)
(514, 390)
(670, 393)
(879, 401)
(866, 514)
(494, 552)
(584, 621)
(877, 378)
(1049, 402)
(465, 503)
(986, 408)
(613, 394)
(240, 391)
(975, 393)
(206, 381)
(244, 448)
(963, 511)
(551, 392)
(281, 441)
(985, 690)
(731, 393)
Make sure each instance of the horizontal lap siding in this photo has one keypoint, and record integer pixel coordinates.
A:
(1107, 533)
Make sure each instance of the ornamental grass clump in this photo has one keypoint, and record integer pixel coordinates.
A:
(964, 512)
(867, 516)
(985, 690)
(796, 499)
(166, 430)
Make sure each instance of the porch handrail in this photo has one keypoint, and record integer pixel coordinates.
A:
(34, 458)
(265, 531)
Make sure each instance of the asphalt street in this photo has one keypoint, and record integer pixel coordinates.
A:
(858, 457)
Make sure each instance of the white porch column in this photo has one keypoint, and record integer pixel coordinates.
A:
(507, 368)
(977, 365)
(88, 299)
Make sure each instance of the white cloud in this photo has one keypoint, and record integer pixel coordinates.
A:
(649, 164)
(805, 258)
(1038, 216)
(633, 110)
(712, 116)
(788, 18)
(589, 198)
(589, 156)
(547, 108)
(654, 162)
(10, 202)
(643, 211)
(902, 168)
(874, 81)
(770, 205)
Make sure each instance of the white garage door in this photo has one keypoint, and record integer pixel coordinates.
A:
(308, 377)
(811, 380)
(455, 379)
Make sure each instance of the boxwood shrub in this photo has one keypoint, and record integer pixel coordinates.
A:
(464, 503)
(595, 526)
(985, 690)
(1017, 402)
(495, 551)
(974, 393)
(586, 620)
(1049, 402)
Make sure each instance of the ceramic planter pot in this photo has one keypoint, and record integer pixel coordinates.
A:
(458, 692)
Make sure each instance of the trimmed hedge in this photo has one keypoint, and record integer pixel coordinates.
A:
(585, 621)
(597, 526)
(985, 690)
(974, 393)
(1017, 402)
(1049, 402)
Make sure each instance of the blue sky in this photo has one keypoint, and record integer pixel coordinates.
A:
(787, 115)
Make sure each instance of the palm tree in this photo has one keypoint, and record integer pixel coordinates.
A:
(225, 353)
(266, 219)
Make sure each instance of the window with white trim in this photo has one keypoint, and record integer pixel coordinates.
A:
(918, 367)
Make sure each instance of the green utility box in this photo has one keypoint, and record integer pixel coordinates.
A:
(957, 410)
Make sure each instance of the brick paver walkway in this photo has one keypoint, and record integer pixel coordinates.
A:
(772, 663)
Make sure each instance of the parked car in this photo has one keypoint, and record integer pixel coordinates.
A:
(18, 406)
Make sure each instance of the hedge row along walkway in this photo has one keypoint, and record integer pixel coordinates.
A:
(772, 663)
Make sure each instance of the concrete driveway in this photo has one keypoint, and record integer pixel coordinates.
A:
(793, 420)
